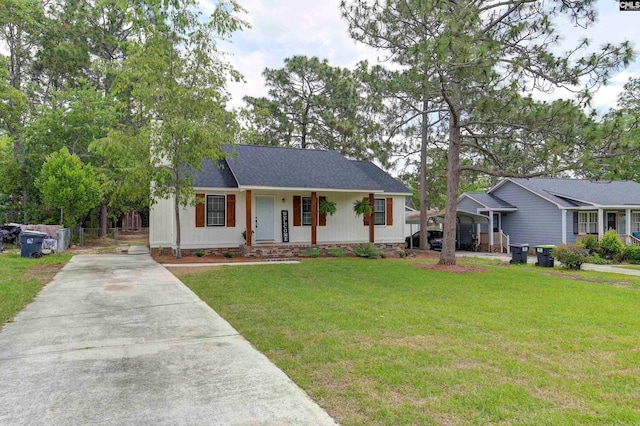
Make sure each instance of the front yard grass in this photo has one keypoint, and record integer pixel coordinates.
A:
(384, 342)
(21, 279)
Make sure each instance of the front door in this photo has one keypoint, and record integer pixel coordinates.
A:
(265, 219)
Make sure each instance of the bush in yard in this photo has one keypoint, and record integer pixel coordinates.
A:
(336, 252)
(227, 255)
(590, 242)
(631, 254)
(611, 247)
(312, 252)
(367, 250)
(571, 256)
(597, 259)
(199, 253)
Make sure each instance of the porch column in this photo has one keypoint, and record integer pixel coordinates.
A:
(490, 231)
(564, 226)
(372, 229)
(248, 217)
(600, 224)
(314, 218)
(628, 226)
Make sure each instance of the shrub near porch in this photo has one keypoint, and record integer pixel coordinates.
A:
(385, 342)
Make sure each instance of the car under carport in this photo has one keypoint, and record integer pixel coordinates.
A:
(467, 229)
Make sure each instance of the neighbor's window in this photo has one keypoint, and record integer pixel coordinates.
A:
(635, 222)
(215, 210)
(379, 213)
(587, 222)
(306, 210)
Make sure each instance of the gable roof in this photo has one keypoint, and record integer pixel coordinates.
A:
(254, 166)
(382, 178)
(214, 174)
(489, 201)
(580, 192)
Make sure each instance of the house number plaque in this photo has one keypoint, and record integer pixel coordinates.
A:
(285, 226)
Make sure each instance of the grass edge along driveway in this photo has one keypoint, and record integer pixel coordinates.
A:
(21, 279)
(385, 342)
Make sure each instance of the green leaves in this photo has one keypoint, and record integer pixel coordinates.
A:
(68, 185)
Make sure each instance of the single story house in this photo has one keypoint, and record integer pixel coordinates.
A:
(555, 211)
(264, 200)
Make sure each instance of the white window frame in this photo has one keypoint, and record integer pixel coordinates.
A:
(635, 221)
(309, 216)
(383, 212)
(209, 220)
(588, 222)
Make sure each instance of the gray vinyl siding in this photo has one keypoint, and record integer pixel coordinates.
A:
(468, 205)
(537, 221)
(571, 237)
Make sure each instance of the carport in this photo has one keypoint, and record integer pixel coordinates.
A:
(467, 228)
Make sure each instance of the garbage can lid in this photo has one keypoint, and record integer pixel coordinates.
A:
(518, 245)
(545, 246)
(35, 233)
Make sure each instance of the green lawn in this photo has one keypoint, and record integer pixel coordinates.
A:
(384, 342)
(21, 279)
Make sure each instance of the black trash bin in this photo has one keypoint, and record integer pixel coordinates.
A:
(31, 243)
(545, 258)
(519, 253)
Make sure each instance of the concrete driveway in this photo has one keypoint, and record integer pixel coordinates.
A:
(119, 340)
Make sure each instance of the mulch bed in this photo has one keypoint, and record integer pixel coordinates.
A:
(456, 269)
(204, 259)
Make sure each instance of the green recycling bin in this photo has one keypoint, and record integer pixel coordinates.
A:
(31, 244)
(545, 259)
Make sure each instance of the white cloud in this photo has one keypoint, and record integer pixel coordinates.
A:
(283, 28)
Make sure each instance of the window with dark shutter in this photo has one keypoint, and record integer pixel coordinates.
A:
(322, 217)
(199, 210)
(231, 210)
(297, 210)
(216, 210)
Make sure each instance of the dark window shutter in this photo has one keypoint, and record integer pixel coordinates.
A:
(322, 217)
(199, 210)
(389, 211)
(231, 210)
(575, 223)
(297, 210)
(366, 217)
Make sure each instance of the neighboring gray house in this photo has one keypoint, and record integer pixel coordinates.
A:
(555, 211)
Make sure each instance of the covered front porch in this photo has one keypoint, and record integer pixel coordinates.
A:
(625, 221)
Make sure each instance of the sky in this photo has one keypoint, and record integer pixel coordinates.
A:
(283, 28)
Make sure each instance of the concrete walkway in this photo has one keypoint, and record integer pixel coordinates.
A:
(533, 259)
(119, 340)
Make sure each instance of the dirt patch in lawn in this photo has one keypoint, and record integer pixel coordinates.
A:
(456, 269)
(45, 273)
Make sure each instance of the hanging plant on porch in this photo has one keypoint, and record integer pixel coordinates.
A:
(327, 207)
(362, 207)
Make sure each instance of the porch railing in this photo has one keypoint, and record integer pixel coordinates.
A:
(633, 240)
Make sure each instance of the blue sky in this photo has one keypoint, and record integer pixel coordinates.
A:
(283, 28)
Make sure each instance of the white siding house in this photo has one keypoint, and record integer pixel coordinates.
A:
(262, 196)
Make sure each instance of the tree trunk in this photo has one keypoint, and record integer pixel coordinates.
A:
(424, 191)
(177, 211)
(103, 220)
(448, 255)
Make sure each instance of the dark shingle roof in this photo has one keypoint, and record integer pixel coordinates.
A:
(381, 177)
(214, 174)
(604, 193)
(275, 167)
(490, 201)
